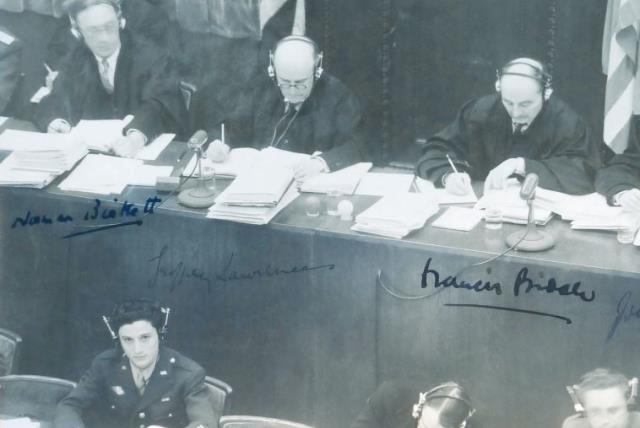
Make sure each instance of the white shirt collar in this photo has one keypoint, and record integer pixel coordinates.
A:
(112, 60)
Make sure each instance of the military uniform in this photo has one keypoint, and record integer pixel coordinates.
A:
(10, 54)
(579, 421)
(106, 396)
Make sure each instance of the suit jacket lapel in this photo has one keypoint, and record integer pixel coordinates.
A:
(121, 83)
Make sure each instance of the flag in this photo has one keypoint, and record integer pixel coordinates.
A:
(620, 64)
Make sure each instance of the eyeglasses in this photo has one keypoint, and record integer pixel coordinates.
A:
(110, 28)
(299, 86)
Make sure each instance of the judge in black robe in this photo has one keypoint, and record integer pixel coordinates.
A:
(557, 145)
(619, 180)
(328, 120)
(143, 86)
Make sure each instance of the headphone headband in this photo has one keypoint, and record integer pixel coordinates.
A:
(456, 393)
(538, 73)
(317, 55)
(138, 309)
(574, 392)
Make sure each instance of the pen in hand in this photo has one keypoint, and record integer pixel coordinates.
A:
(452, 164)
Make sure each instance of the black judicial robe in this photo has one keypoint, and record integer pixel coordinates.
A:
(107, 397)
(10, 56)
(328, 121)
(622, 172)
(557, 146)
(390, 406)
(143, 86)
(142, 19)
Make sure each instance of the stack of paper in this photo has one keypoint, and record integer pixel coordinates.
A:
(618, 220)
(344, 180)
(250, 214)
(37, 158)
(396, 215)
(105, 175)
(152, 150)
(514, 209)
(259, 187)
(444, 197)
(270, 156)
(380, 184)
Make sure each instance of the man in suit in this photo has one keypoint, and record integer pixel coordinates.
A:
(602, 398)
(295, 106)
(10, 56)
(110, 76)
(619, 180)
(401, 405)
(140, 383)
(520, 129)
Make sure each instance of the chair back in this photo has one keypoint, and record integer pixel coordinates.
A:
(242, 421)
(31, 396)
(218, 391)
(9, 348)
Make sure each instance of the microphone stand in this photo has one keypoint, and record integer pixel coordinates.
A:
(531, 239)
(200, 196)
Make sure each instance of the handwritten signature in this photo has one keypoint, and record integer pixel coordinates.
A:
(97, 212)
(522, 285)
(625, 312)
(178, 273)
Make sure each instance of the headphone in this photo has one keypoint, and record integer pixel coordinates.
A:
(574, 391)
(450, 390)
(537, 72)
(318, 56)
(133, 310)
(75, 29)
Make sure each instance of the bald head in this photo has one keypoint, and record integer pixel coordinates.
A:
(294, 59)
(522, 89)
(294, 62)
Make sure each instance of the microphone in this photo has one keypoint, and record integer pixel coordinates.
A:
(197, 140)
(204, 193)
(529, 185)
(530, 239)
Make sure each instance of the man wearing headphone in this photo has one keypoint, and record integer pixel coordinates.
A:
(520, 129)
(295, 106)
(110, 76)
(602, 400)
(619, 181)
(140, 383)
(398, 405)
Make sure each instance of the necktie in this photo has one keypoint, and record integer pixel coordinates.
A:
(104, 76)
(518, 128)
(140, 381)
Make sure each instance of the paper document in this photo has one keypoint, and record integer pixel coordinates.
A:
(104, 174)
(98, 135)
(344, 180)
(459, 218)
(270, 156)
(251, 215)
(380, 184)
(262, 186)
(396, 215)
(19, 423)
(12, 139)
(152, 150)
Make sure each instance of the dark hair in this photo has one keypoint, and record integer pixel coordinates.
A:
(130, 311)
(603, 378)
(74, 7)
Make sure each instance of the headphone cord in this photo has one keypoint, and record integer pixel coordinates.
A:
(286, 129)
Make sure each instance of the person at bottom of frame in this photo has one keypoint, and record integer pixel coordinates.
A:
(393, 405)
(140, 383)
(602, 400)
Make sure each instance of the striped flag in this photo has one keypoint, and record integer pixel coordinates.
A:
(620, 64)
